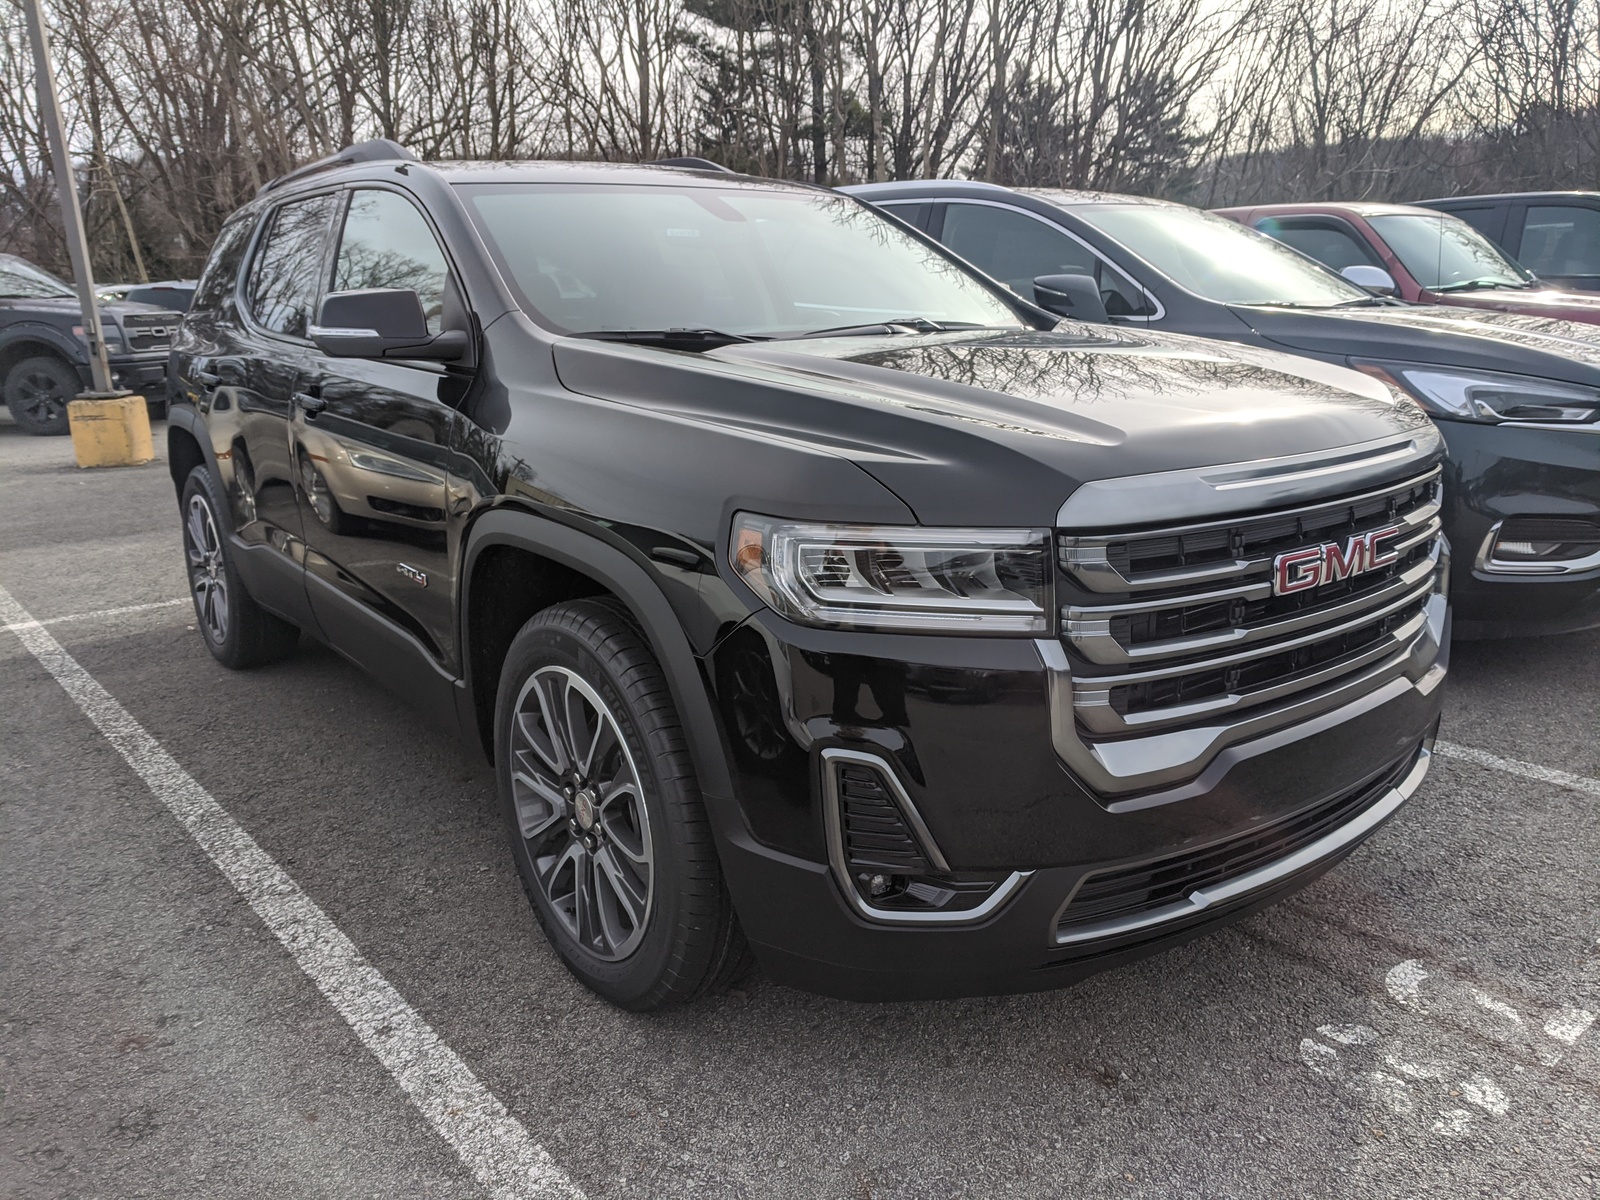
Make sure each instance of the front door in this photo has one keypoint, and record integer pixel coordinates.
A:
(370, 438)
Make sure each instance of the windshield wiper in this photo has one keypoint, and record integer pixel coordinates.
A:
(1473, 285)
(894, 326)
(684, 339)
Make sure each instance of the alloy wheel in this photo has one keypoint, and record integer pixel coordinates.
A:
(41, 395)
(581, 810)
(208, 576)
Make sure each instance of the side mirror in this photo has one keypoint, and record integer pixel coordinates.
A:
(382, 323)
(1375, 279)
(1075, 296)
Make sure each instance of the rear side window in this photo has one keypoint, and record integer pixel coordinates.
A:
(388, 244)
(285, 280)
(1329, 243)
(221, 272)
(1016, 248)
(1561, 239)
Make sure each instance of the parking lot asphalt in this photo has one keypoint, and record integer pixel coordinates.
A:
(1419, 1022)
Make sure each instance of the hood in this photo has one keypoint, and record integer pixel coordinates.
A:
(1519, 343)
(998, 428)
(1541, 302)
(68, 306)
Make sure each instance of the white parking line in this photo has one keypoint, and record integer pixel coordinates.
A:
(1512, 766)
(494, 1146)
(98, 613)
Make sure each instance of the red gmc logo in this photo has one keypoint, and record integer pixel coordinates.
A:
(1297, 570)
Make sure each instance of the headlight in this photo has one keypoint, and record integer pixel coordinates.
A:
(109, 337)
(1486, 396)
(900, 577)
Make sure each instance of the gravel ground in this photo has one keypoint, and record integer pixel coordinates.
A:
(1413, 1024)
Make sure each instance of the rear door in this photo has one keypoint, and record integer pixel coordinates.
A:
(370, 439)
(254, 383)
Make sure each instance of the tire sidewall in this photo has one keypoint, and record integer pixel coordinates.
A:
(630, 980)
(200, 484)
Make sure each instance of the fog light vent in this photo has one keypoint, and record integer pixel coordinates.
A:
(1542, 545)
(876, 840)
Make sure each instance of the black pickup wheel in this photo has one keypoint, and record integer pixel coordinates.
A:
(37, 391)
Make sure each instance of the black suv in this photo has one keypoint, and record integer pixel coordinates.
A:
(803, 586)
(1517, 397)
(1556, 235)
(44, 357)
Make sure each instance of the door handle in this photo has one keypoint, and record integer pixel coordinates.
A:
(208, 378)
(309, 404)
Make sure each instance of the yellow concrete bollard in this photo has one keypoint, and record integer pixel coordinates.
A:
(110, 433)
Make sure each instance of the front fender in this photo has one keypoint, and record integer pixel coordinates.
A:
(58, 340)
(625, 578)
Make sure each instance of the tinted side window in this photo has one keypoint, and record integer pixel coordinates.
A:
(1015, 248)
(1482, 219)
(1327, 242)
(387, 244)
(216, 286)
(1561, 239)
(913, 212)
(285, 280)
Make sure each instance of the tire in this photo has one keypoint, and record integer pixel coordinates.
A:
(37, 391)
(239, 633)
(615, 853)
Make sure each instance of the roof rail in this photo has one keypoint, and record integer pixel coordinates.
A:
(376, 150)
(692, 163)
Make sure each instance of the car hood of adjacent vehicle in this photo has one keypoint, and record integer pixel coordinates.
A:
(1539, 302)
(998, 427)
(1515, 343)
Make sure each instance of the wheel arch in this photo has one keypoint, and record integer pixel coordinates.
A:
(188, 447)
(41, 341)
(605, 569)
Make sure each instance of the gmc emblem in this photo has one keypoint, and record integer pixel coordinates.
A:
(1297, 570)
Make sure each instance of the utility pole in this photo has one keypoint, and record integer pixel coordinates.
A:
(71, 214)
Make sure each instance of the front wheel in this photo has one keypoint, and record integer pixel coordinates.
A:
(607, 826)
(37, 392)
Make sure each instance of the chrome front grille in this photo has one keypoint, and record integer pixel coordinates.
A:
(1173, 627)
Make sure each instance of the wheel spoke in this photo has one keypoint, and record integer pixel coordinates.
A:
(619, 900)
(540, 803)
(577, 725)
(601, 745)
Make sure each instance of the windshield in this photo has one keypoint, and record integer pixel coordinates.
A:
(1219, 260)
(1444, 253)
(23, 280)
(752, 261)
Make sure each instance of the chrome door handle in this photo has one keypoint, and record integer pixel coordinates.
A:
(309, 404)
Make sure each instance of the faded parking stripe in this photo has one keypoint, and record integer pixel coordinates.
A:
(1512, 766)
(492, 1145)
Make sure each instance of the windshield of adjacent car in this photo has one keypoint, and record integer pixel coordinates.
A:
(1218, 260)
(21, 280)
(751, 260)
(1444, 253)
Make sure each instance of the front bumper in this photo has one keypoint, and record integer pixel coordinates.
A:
(966, 727)
(140, 372)
(1499, 472)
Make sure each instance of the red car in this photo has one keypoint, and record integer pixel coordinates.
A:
(1417, 254)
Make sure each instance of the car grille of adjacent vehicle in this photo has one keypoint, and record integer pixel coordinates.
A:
(150, 331)
(875, 833)
(1165, 628)
(1106, 896)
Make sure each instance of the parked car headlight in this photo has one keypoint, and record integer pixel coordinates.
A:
(1492, 397)
(897, 577)
(109, 336)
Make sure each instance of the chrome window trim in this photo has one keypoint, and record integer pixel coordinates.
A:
(833, 811)
(947, 200)
(1486, 564)
(1263, 877)
(1243, 489)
